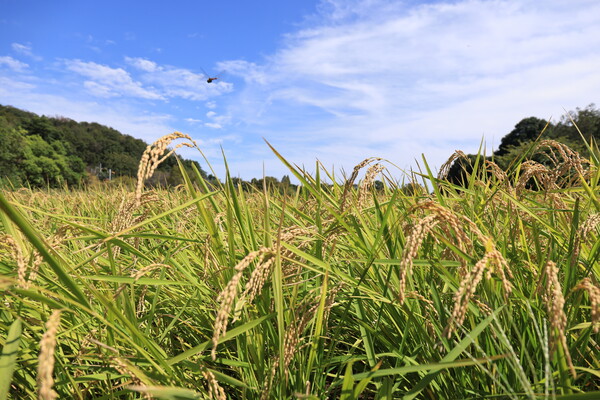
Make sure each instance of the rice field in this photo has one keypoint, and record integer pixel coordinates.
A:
(418, 289)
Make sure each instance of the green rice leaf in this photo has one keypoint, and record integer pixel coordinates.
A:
(8, 359)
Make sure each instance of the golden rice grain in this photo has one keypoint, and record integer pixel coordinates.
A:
(496, 171)
(584, 231)
(445, 168)
(153, 157)
(416, 295)
(8, 242)
(124, 368)
(594, 293)
(413, 243)
(555, 303)
(491, 261)
(367, 183)
(215, 391)
(448, 221)
(258, 279)
(46, 360)
(350, 181)
(454, 226)
(293, 335)
(532, 169)
(227, 296)
(569, 159)
(562, 167)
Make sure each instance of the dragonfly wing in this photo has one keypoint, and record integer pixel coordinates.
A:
(204, 72)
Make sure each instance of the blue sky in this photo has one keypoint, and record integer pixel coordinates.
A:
(333, 80)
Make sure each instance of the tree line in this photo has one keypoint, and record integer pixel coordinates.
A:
(41, 151)
(572, 129)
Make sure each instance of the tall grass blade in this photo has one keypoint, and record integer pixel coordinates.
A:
(52, 258)
(8, 358)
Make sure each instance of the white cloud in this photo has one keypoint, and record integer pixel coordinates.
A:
(118, 113)
(361, 78)
(25, 50)
(142, 64)
(217, 121)
(10, 85)
(111, 82)
(95, 49)
(115, 114)
(393, 79)
(99, 90)
(13, 64)
(250, 72)
(178, 82)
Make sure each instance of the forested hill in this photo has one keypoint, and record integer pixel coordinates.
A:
(51, 151)
(45, 151)
(571, 130)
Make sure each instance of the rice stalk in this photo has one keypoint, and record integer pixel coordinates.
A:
(227, 296)
(593, 292)
(215, 391)
(7, 242)
(352, 178)
(46, 360)
(555, 302)
(367, 183)
(153, 157)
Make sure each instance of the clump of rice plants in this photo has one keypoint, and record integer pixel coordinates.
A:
(428, 290)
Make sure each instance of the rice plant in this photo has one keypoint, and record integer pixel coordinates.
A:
(341, 290)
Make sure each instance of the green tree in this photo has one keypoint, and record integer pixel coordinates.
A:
(413, 189)
(43, 127)
(586, 121)
(525, 131)
(11, 152)
(75, 145)
(46, 165)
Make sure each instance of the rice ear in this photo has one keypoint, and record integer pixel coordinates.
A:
(46, 359)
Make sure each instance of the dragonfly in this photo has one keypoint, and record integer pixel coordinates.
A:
(210, 78)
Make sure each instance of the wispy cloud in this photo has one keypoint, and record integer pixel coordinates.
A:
(120, 116)
(178, 82)
(217, 121)
(146, 79)
(359, 78)
(9, 86)
(131, 108)
(142, 64)
(106, 81)
(25, 50)
(13, 64)
(249, 71)
(397, 80)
